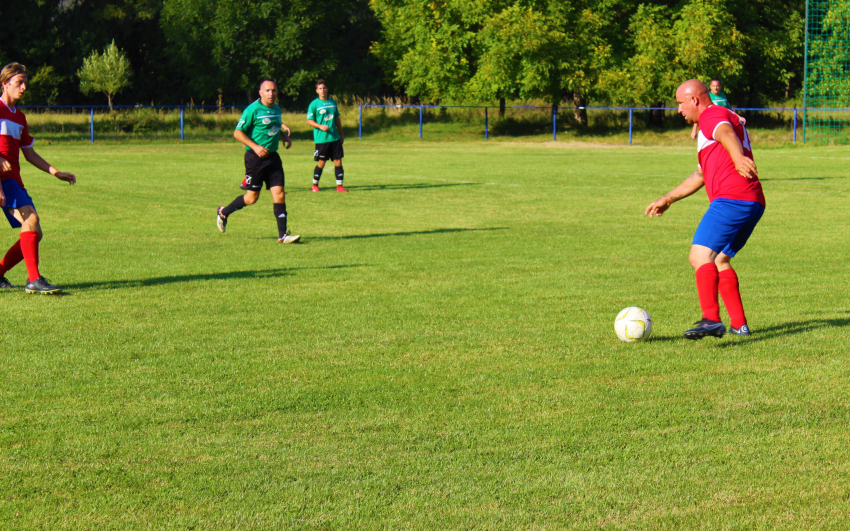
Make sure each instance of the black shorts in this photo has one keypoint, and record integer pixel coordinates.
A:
(268, 169)
(329, 151)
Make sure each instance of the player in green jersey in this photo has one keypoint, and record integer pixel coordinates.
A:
(259, 129)
(323, 116)
(718, 97)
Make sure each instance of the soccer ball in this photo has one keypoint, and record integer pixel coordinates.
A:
(633, 324)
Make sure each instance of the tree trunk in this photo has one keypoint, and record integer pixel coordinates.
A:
(501, 107)
(109, 99)
(580, 113)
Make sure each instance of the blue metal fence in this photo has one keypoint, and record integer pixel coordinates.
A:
(91, 109)
(421, 109)
(554, 115)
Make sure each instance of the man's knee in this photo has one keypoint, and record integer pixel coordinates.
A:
(723, 262)
(251, 197)
(277, 194)
(700, 255)
(29, 217)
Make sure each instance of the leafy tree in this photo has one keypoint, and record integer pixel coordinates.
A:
(43, 86)
(108, 73)
(550, 50)
(231, 44)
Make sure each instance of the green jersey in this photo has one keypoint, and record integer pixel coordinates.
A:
(324, 113)
(262, 125)
(719, 98)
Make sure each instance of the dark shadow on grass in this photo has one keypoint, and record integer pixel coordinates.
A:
(801, 179)
(418, 186)
(411, 233)
(784, 329)
(788, 329)
(176, 279)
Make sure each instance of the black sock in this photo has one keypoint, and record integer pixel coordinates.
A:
(237, 204)
(317, 174)
(280, 215)
(339, 175)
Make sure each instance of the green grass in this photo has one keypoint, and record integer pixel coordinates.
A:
(439, 351)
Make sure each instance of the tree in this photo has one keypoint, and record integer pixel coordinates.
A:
(108, 72)
(232, 44)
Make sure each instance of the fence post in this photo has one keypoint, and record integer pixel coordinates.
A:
(420, 122)
(91, 124)
(795, 125)
(554, 123)
(630, 125)
(360, 121)
(181, 122)
(486, 128)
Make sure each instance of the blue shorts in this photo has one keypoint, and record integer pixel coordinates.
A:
(727, 225)
(16, 197)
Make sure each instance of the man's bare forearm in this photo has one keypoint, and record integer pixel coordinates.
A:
(688, 187)
(245, 139)
(36, 160)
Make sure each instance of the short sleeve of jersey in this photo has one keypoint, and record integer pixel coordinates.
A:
(247, 120)
(311, 111)
(710, 119)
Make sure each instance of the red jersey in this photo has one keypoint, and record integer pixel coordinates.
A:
(718, 170)
(14, 135)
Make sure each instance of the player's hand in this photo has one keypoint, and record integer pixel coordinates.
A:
(5, 165)
(288, 132)
(657, 207)
(287, 142)
(69, 178)
(341, 140)
(2, 199)
(323, 128)
(746, 167)
(260, 151)
(693, 134)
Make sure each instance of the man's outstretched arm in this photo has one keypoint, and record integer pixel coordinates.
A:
(690, 185)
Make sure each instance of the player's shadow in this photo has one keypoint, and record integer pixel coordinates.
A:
(410, 233)
(762, 334)
(414, 186)
(178, 279)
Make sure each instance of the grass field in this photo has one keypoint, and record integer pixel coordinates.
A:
(439, 351)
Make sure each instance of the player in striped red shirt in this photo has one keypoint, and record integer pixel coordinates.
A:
(14, 199)
(729, 174)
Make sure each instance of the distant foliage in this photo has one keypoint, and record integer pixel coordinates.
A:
(108, 72)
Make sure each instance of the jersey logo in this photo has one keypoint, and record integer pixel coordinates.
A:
(10, 128)
(330, 117)
(273, 131)
(322, 111)
(266, 121)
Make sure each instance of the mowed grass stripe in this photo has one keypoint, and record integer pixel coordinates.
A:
(439, 352)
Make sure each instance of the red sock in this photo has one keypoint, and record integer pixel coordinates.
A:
(707, 289)
(728, 286)
(29, 248)
(12, 258)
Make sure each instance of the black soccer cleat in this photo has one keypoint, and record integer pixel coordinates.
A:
(5, 284)
(744, 330)
(706, 327)
(41, 285)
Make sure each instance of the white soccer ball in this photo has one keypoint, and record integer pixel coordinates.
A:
(633, 324)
